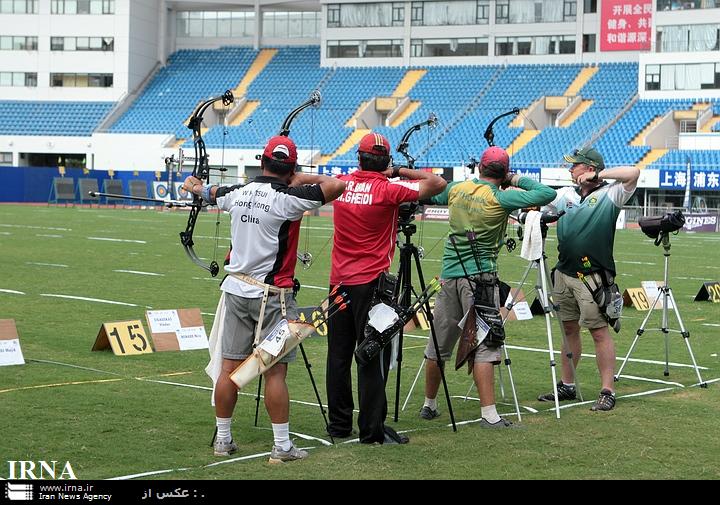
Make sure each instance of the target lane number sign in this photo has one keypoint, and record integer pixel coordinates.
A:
(637, 298)
(125, 338)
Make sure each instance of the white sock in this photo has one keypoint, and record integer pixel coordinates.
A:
(490, 414)
(572, 386)
(281, 433)
(223, 429)
(431, 403)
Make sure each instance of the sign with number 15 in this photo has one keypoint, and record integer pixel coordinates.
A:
(124, 337)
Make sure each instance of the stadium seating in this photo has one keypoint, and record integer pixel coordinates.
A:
(51, 118)
(465, 98)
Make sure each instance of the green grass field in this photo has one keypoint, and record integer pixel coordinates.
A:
(116, 416)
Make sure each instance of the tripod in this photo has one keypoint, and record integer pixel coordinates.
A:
(408, 252)
(665, 292)
(541, 288)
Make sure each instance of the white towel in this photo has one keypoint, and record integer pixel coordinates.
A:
(532, 247)
(214, 368)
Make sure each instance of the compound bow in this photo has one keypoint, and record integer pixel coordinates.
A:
(201, 170)
(314, 101)
(402, 147)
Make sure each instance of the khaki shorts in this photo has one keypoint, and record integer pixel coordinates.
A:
(241, 316)
(453, 302)
(576, 302)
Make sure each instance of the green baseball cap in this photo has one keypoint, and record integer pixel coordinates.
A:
(588, 156)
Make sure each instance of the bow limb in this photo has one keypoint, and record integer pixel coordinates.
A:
(489, 133)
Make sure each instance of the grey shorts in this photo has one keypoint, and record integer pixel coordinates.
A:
(576, 302)
(452, 303)
(241, 317)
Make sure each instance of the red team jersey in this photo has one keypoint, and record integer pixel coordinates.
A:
(366, 222)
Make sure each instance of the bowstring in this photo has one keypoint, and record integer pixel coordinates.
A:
(312, 150)
(222, 180)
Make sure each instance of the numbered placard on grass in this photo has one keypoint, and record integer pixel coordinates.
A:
(636, 297)
(709, 291)
(177, 329)
(314, 316)
(125, 338)
(10, 351)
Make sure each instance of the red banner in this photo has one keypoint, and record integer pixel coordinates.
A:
(626, 25)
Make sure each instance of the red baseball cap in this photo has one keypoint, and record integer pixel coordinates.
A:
(279, 144)
(495, 155)
(374, 143)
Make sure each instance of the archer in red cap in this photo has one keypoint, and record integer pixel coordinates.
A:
(366, 226)
(280, 153)
(495, 163)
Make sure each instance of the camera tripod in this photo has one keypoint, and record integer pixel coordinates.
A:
(664, 292)
(542, 287)
(408, 253)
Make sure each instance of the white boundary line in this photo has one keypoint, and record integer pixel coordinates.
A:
(46, 264)
(656, 381)
(34, 227)
(584, 355)
(117, 240)
(136, 272)
(97, 300)
(12, 292)
(72, 366)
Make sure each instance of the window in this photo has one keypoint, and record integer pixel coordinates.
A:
(683, 76)
(590, 6)
(343, 48)
(483, 12)
(383, 49)
(676, 5)
(416, 14)
(398, 14)
(18, 79)
(18, 43)
(81, 80)
(448, 47)
(82, 44)
(684, 38)
(566, 44)
(6, 159)
(524, 44)
(289, 25)
(541, 44)
(570, 10)
(18, 6)
(230, 24)
(364, 48)
(82, 7)
(333, 15)
(503, 46)
(416, 48)
(589, 43)
(502, 12)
